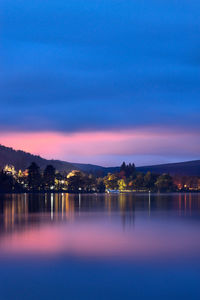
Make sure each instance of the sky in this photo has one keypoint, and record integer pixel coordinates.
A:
(101, 81)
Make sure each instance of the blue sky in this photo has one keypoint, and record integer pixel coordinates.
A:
(101, 66)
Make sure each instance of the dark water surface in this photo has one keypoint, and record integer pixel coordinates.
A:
(126, 246)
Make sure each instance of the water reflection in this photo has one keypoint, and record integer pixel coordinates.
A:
(126, 225)
(126, 246)
(21, 209)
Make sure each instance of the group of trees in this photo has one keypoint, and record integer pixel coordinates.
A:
(8, 183)
(75, 181)
(127, 179)
(78, 181)
(37, 180)
(127, 170)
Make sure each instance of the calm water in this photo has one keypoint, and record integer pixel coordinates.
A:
(127, 246)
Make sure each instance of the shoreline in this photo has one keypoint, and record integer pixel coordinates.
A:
(109, 193)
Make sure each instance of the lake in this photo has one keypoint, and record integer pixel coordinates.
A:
(100, 246)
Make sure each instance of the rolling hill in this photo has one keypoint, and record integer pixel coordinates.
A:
(22, 160)
(189, 168)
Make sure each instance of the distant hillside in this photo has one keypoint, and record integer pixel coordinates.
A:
(22, 160)
(190, 168)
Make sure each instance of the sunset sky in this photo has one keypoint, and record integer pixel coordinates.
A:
(101, 81)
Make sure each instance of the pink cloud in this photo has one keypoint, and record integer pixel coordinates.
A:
(86, 146)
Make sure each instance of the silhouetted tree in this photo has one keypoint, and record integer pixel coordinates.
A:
(150, 180)
(138, 182)
(89, 183)
(100, 186)
(75, 181)
(49, 177)
(8, 183)
(164, 183)
(123, 167)
(60, 181)
(34, 177)
(127, 170)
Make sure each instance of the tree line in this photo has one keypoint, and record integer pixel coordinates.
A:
(130, 180)
(127, 179)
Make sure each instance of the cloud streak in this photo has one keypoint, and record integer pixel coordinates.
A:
(109, 147)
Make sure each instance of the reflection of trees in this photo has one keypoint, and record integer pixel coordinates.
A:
(127, 208)
(21, 210)
(123, 203)
(14, 210)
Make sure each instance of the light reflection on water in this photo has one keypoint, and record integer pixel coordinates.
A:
(143, 238)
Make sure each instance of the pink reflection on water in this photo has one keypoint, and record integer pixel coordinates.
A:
(101, 240)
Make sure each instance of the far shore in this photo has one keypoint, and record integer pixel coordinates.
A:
(110, 193)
